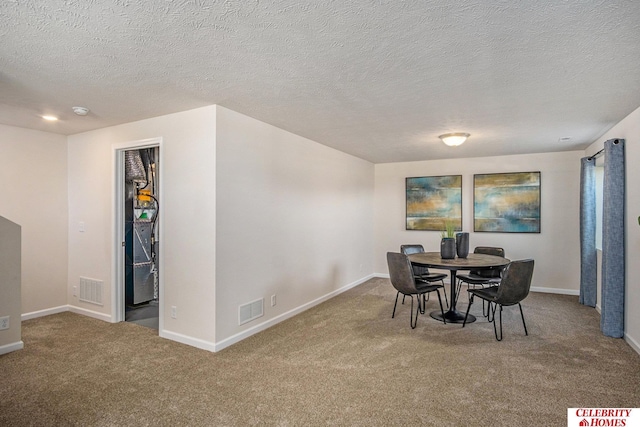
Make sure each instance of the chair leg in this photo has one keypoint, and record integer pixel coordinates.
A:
(413, 322)
(523, 324)
(441, 309)
(495, 329)
(424, 302)
(394, 305)
(488, 309)
(468, 308)
(444, 291)
(491, 314)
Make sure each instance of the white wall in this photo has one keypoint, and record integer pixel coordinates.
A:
(556, 249)
(295, 220)
(11, 338)
(33, 194)
(629, 129)
(187, 218)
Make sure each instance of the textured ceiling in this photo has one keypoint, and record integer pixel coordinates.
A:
(377, 79)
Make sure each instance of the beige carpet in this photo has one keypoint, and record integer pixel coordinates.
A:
(343, 363)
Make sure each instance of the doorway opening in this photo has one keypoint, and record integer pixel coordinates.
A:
(140, 208)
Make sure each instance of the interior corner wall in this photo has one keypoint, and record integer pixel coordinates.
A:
(555, 249)
(187, 217)
(295, 220)
(10, 272)
(33, 194)
(629, 129)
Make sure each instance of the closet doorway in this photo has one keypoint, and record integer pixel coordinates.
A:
(137, 297)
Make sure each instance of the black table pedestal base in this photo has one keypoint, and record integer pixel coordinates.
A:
(452, 316)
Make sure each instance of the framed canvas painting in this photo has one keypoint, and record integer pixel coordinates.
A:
(507, 202)
(432, 201)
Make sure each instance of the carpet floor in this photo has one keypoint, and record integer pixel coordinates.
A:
(345, 362)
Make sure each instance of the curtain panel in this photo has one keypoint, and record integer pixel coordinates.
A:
(613, 240)
(588, 257)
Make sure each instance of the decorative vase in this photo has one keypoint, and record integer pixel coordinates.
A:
(462, 244)
(448, 248)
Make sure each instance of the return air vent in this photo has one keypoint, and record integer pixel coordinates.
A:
(91, 290)
(250, 311)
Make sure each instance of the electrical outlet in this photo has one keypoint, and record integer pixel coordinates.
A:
(75, 291)
(4, 323)
(273, 300)
(174, 312)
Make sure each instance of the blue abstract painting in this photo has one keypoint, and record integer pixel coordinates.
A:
(507, 202)
(433, 201)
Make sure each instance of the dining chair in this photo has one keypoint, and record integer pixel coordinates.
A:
(405, 283)
(481, 277)
(514, 287)
(423, 273)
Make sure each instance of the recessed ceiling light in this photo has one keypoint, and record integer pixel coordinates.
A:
(50, 118)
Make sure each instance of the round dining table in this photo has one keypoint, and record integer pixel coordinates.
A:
(471, 262)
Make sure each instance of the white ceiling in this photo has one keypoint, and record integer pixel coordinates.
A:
(377, 79)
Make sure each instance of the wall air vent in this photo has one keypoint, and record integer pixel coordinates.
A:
(91, 290)
(250, 311)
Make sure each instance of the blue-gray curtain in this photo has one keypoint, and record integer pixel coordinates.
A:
(613, 244)
(588, 258)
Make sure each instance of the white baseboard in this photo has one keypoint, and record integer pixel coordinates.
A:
(632, 343)
(8, 348)
(284, 316)
(533, 288)
(65, 308)
(185, 339)
(45, 312)
(555, 291)
(90, 313)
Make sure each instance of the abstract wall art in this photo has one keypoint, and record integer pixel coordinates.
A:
(507, 202)
(432, 201)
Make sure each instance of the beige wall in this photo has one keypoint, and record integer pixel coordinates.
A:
(300, 210)
(187, 217)
(323, 218)
(629, 129)
(10, 339)
(295, 220)
(33, 194)
(555, 250)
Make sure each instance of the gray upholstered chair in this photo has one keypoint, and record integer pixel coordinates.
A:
(402, 278)
(513, 288)
(423, 273)
(481, 277)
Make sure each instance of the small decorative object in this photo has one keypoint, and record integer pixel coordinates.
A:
(448, 242)
(462, 244)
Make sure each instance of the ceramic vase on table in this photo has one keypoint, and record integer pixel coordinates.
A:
(448, 248)
(462, 244)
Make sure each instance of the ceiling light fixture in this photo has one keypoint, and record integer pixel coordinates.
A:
(454, 139)
(50, 118)
(80, 111)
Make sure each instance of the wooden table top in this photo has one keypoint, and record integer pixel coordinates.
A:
(472, 262)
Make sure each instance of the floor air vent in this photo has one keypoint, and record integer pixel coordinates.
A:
(249, 311)
(91, 290)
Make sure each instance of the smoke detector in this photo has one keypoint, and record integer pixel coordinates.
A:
(81, 111)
